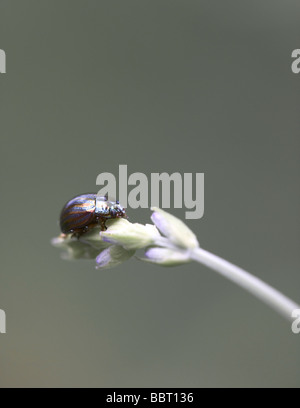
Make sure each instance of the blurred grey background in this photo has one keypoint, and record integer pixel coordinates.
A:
(187, 86)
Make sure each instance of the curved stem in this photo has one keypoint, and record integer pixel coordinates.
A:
(257, 287)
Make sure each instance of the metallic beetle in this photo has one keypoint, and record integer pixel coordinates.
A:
(87, 211)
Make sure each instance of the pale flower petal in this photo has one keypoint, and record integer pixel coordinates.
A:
(166, 257)
(130, 236)
(74, 249)
(174, 229)
(113, 256)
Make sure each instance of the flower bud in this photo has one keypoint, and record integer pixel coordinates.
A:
(174, 229)
(130, 236)
(113, 256)
(166, 256)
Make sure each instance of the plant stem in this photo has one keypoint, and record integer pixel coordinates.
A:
(257, 287)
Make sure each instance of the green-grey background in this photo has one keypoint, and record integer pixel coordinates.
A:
(188, 86)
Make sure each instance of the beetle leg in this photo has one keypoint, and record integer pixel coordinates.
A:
(102, 225)
(77, 234)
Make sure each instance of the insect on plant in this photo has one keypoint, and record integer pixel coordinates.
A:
(87, 211)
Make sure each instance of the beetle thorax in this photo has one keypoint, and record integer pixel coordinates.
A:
(102, 207)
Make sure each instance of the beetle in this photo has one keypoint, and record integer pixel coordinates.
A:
(87, 211)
